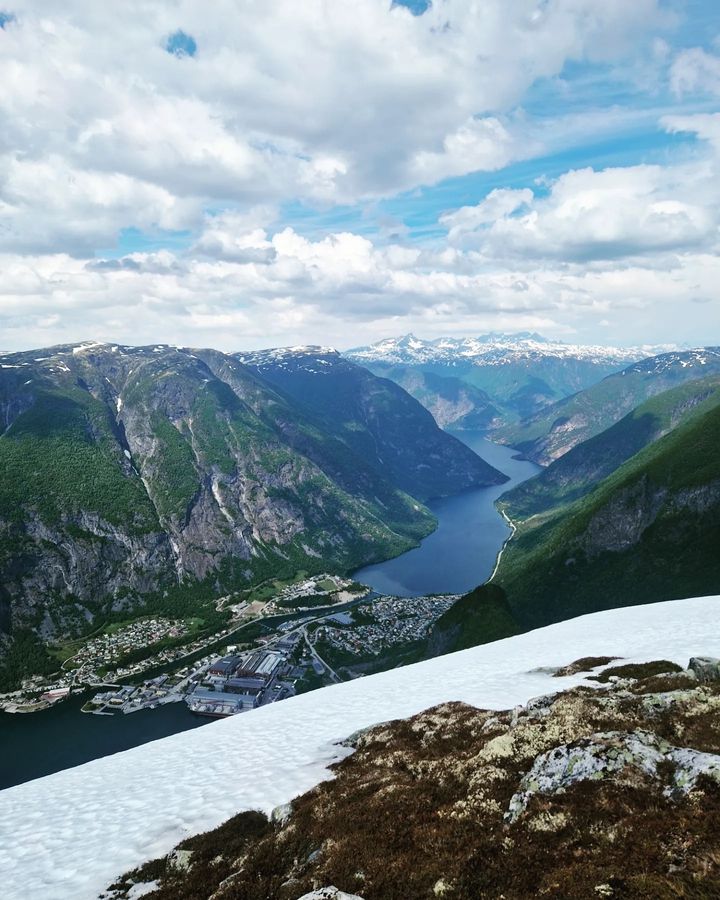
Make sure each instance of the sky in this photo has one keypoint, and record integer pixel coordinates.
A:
(245, 174)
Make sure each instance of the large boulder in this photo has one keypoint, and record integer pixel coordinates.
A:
(706, 668)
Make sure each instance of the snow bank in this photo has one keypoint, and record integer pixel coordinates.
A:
(68, 835)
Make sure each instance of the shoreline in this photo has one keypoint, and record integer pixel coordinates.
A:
(513, 531)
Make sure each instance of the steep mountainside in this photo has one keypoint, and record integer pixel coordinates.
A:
(580, 469)
(479, 617)
(128, 471)
(453, 403)
(556, 430)
(382, 423)
(649, 530)
(521, 373)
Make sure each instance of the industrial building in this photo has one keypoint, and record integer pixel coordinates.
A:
(224, 667)
(245, 685)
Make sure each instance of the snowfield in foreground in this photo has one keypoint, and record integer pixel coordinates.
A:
(69, 834)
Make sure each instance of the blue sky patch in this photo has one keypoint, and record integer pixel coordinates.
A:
(181, 44)
(416, 7)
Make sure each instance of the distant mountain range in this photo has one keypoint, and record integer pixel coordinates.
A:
(130, 472)
(496, 349)
(516, 374)
(558, 428)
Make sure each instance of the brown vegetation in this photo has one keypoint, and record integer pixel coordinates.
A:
(419, 810)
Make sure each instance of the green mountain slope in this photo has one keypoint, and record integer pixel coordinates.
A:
(479, 617)
(129, 473)
(648, 532)
(453, 402)
(378, 419)
(554, 431)
(580, 469)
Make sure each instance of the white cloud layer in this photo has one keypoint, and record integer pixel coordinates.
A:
(332, 103)
(328, 102)
(627, 253)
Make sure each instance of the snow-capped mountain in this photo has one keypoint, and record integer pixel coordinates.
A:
(310, 358)
(519, 373)
(495, 349)
(136, 805)
(697, 358)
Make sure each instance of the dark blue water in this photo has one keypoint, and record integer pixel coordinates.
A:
(458, 556)
(461, 553)
(37, 744)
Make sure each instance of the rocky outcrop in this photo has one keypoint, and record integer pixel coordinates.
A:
(629, 759)
(705, 668)
(607, 791)
(329, 893)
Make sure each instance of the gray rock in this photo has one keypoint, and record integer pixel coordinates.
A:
(180, 859)
(706, 668)
(608, 754)
(329, 893)
(281, 814)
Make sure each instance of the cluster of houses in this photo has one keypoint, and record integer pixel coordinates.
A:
(398, 620)
(104, 651)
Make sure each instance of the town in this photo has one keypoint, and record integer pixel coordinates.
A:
(395, 620)
(296, 626)
(123, 652)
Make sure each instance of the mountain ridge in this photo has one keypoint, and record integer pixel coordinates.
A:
(553, 431)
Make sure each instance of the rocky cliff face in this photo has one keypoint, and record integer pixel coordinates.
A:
(130, 470)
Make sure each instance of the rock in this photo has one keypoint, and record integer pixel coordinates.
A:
(689, 766)
(281, 813)
(180, 859)
(590, 759)
(706, 668)
(612, 753)
(329, 893)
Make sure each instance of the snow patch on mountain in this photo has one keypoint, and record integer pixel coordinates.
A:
(69, 834)
(291, 358)
(495, 349)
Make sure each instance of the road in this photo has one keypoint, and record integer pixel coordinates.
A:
(313, 652)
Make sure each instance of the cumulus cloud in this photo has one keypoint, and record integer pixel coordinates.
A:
(612, 214)
(695, 71)
(328, 102)
(211, 122)
(498, 204)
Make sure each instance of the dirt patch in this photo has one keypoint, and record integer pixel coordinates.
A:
(584, 664)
